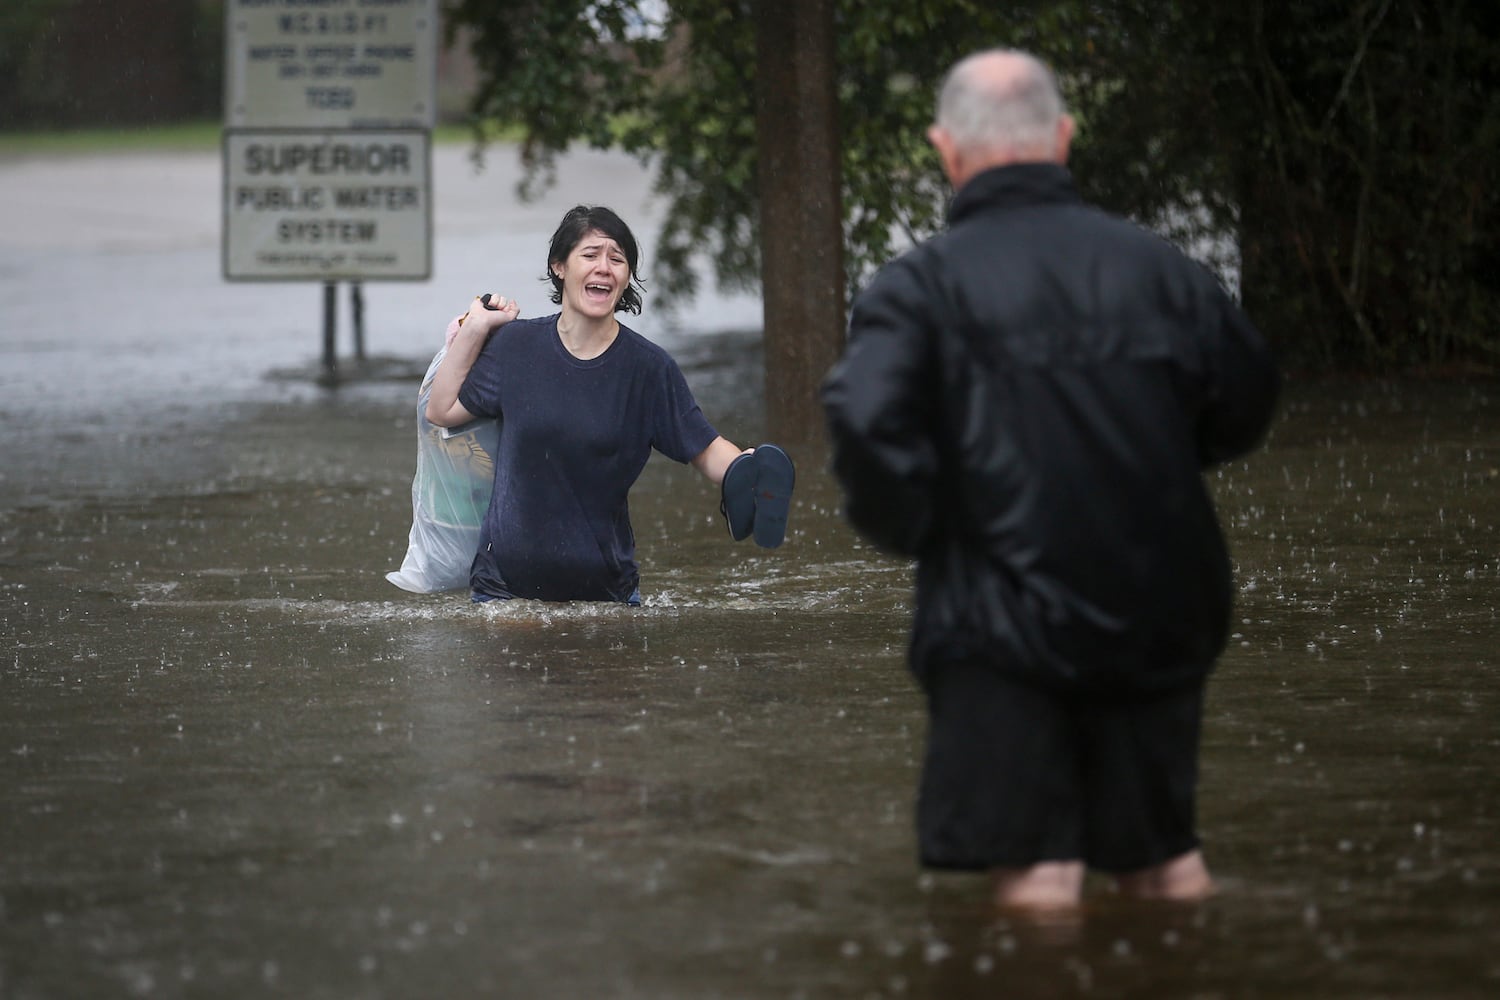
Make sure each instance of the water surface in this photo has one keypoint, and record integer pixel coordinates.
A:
(237, 762)
(236, 758)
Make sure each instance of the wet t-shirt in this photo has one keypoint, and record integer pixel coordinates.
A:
(574, 437)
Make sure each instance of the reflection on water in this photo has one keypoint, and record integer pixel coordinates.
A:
(236, 761)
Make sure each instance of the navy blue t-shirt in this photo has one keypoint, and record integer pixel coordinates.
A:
(574, 437)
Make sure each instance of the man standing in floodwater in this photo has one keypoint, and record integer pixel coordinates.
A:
(1026, 405)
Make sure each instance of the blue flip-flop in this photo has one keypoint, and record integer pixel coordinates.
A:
(775, 476)
(737, 496)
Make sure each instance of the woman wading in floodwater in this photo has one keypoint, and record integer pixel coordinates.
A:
(582, 400)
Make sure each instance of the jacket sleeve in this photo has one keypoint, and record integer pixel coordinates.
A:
(1243, 386)
(879, 403)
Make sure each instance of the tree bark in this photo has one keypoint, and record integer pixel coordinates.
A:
(801, 213)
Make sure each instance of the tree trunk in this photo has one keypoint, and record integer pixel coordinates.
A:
(801, 215)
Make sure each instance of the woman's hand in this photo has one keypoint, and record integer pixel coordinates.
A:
(484, 319)
(487, 313)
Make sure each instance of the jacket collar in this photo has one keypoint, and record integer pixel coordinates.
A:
(1013, 185)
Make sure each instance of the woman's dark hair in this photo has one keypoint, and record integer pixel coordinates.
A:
(578, 223)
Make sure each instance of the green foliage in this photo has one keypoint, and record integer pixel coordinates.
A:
(1375, 176)
(1347, 149)
(22, 24)
(1337, 160)
(90, 63)
(557, 68)
(687, 103)
(892, 55)
(26, 41)
(701, 134)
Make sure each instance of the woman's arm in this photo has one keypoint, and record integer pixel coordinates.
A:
(474, 329)
(713, 460)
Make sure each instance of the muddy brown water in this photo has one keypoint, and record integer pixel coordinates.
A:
(234, 761)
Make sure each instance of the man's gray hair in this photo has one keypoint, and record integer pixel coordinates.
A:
(1017, 112)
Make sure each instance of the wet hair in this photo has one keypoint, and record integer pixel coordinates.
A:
(578, 223)
(1017, 111)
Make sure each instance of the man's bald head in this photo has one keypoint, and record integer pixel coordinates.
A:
(999, 107)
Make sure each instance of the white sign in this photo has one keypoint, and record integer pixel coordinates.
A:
(327, 205)
(330, 63)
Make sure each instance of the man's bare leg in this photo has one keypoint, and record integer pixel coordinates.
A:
(1048, 885)
(1184, 877)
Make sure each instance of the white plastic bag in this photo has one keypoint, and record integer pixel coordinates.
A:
(449, 495)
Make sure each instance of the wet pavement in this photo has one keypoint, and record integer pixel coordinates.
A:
(234, 761)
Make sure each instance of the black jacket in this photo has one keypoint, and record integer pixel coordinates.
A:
(1025, 405)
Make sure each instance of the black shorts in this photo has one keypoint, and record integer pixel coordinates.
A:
(1016, 775)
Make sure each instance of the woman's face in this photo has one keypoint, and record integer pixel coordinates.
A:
(594, 276)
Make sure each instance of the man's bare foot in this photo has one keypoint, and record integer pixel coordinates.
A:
(1049, 885)
(1183, 878)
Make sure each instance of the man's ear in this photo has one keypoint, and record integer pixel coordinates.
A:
(947, 152)
(1064, 138)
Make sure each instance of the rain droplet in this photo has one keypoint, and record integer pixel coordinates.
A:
(935, 952)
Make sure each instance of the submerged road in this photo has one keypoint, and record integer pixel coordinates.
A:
(236, 762)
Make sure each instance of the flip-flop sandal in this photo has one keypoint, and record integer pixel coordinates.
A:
(773, 494)
(737, 496)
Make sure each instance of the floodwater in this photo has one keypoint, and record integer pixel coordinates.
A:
(234, 761)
